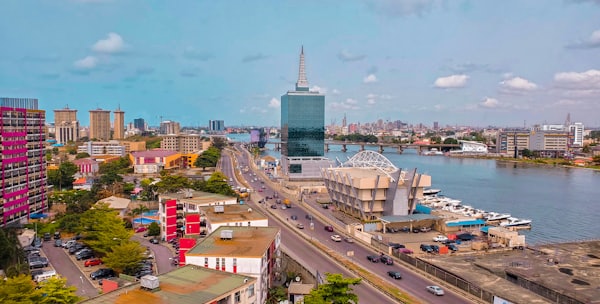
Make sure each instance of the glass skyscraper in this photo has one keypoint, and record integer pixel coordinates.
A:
(303, 130)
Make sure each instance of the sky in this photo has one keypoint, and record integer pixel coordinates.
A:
(478, 63)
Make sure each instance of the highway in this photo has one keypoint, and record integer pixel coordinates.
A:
(411, 282)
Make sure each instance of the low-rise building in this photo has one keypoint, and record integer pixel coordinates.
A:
(94, 148)
(232, 215)
(251, 251)
(153, 161)
(86, 166)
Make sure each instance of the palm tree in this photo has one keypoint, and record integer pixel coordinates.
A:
(139, 210)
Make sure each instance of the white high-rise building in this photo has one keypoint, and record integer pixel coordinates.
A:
(576, 130)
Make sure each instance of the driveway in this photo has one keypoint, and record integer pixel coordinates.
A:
(64, 266)
(162, 253)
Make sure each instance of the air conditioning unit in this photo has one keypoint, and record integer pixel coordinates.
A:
(219, 209)
(226, 234)
(149, 282)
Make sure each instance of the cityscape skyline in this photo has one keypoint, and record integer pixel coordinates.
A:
(468, 63)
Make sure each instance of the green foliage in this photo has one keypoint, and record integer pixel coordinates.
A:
(153, 229)
(119, 166)
(596, 159)
(70, 222)
(219, 142)
(19, 289)
(63, 176)
(77, 201)
(208, 158)
(337, 290)
(217, 183)
(56, 291)
(172, 183)
(527, 153)
(153, 142)
(595, 135)
(125, 257)
(10, 253)
(450, 141)
(82, 155)
(102, 229)
(276, 294)
(357, 138)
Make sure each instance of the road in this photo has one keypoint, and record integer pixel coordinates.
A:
(162, 253)
(64, 266)
(412, 282)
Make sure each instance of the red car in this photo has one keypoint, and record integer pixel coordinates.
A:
(329, 228)
(140, 229)
(92, 262)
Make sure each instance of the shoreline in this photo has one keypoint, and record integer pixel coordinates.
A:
(527, 161)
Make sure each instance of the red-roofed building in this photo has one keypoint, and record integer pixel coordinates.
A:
(153, 161)
(83, 183)
(87, 166)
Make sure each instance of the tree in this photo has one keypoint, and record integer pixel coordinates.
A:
(219, 142)
(82, 155)
(172, 183)
(103, 229)
(10, 253)
(596, 159)
(125, 257)
(337, 290)
(450, 141)
(63, 176)
(527, 153)
(217, 183)
(153, 229)
(276, 295)
(56, 291)
(19, 289)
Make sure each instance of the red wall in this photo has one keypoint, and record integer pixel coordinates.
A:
(185, 244)
(192, 224)
(171, 219)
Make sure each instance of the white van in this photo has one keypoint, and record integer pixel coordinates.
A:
(45, 275)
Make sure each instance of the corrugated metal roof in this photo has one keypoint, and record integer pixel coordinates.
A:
(246, 242)
(466, 223)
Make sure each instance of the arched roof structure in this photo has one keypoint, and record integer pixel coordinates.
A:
(371, 159)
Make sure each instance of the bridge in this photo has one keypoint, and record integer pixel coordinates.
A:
(382, 146)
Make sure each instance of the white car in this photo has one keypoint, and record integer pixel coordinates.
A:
(436, 290)
(336, 238)
(440, 238)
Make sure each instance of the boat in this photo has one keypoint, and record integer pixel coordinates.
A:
(513, 221)
(494, 216)
(433, 152)
(431, 191)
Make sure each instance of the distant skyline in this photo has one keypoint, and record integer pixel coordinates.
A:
(478, 63)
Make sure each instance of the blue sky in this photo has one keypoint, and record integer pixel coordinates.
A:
(479, 63)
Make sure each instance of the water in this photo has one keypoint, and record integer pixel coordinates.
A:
(150, 213)
(564, 203)
(144, 221)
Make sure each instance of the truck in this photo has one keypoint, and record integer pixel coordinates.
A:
(287, 203)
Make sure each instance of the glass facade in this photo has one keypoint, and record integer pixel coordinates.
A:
(303, 124)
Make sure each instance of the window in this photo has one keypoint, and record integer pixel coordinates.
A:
(217, 263)
(237, 297)
(295, 168)
(251, 290)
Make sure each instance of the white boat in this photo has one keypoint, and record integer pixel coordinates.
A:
(494, 216)
(513, 221)
(431, 191)
(433, 152)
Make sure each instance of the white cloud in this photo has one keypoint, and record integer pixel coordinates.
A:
(336, 92)
(274, 103)
(86, 63)
(588, 80)
(452, 81)
(371, 96)
(371, 101)
(346, 56)
(489, 103)
(519, 84)
(112, 44)
(593, 41)
(348, 104)
(351, 101)
(438, 107)
(371, 78)
(385, 96)
(318, 89)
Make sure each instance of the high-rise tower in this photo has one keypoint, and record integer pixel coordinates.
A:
(302, 129)
(67, 125)
(22, 161)
(119, 124)
(99, 124)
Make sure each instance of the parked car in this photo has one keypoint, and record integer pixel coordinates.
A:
(329, 228)
(426, 248)
(373, 258)
(349, 239)
(38, 262)
(68, 244)
(58, 243)
(405, 251)
(37, 243)
(448, 241)
(465, 237)
(452, 247)
(75, 248)
(57, 235)
(273, 206)
(308, 217)
(395, 274)
(416, 230)
(435, 248)
(300, 226)
(35, 272)
(92, 262)
(425, 229)
(102, 273)
(47, 236)
(336, 238)
(440, 238)
(405, 229)
(436, 290)
(396, 245)
(140, 229)
(154, 241)
(386, 260)
(294, 217)
(84, 254)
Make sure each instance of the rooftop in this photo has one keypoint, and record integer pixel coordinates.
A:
(197, 197)
(246, 242)
(153, 153)
(188, 284)
(232, 213)
(116, 202)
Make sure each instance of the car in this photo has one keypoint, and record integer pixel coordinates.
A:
(328, 228)
(35, 272)
(300, 226)
(435, 248)
(349, 239)
(84, 254)
(102, 273)
(47, 236)
(436, 290)
(440, 238)
(336, 238)
(308, 217)
(75, 248)
(416, 230)
(465, 237)
(140, 229)
(273, 206)
(154, 241)
(373, 258)
(58, 243)
(294, 217)
(425, 229)
(448, 241)
(405, 229)
(260, 190)
(452, 247)
(386, 260)
(405, 251)
(396, 245)
(37, 243)
(68, 244)
(426, 248)
(57, 235)
(395, 274)
(38, 262)
(92, 262)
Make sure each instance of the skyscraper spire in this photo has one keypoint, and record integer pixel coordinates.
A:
(302, 84)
